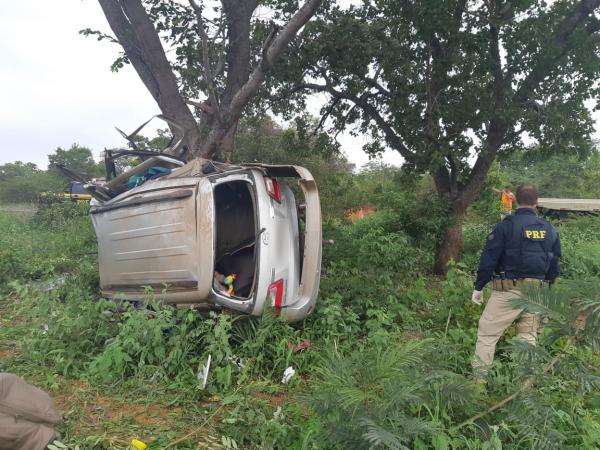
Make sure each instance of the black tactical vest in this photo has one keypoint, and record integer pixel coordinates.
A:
(528, 247)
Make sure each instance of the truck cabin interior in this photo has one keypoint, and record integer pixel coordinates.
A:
(235, 259)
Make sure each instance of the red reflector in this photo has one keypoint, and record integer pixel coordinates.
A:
(275, 292)
(273, 190)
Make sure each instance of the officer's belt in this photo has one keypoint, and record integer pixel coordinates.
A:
(506, 284)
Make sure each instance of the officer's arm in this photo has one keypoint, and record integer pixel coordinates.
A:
(554, 268)
(490, 256)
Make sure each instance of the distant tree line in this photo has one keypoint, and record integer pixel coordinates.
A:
(558, 175)
(259, 139)
(22, 182)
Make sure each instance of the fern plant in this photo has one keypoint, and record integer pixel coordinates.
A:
(555, 380)
(386, 397)
(404, 396)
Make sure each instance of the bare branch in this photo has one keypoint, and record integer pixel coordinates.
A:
(375, 84)
(208, 75)
(220, 66)
(344, 120)
(274, 30)
(325, 116)
(392, 137)
(278, 45)
(204, 106)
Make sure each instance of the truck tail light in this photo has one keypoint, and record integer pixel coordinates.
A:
(273, 190)
(275, 291)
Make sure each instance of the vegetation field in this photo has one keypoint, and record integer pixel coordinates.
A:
(384, 361)
(471, 96)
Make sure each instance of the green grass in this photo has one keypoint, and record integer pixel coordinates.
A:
(388, 363)
(158, 411)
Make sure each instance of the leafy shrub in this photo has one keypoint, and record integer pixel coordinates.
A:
(66, 333)
(474, 235)
(26, 188)
(332, 322)
(13, 255)
(413, 394)
(169, 343)
(56, 216)
(454, 293)
(253, 424)
(374, 245)
(580, 241)
(421, 214)
(264, 344)
(57, 240)
(78, 335)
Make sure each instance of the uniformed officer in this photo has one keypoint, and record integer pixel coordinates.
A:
(521, 249)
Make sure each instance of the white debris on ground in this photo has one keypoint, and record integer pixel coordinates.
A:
(203, 373)
(288, 374)
(237, 361)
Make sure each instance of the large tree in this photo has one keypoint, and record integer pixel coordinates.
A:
(221, 54)
(452, 84)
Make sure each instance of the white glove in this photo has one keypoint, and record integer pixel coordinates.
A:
(477, 297)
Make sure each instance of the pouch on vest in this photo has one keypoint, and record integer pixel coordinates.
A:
(502, 284)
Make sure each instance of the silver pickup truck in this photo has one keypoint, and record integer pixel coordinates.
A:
(229, 237)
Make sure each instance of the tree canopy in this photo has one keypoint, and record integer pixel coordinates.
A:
(76, 158)
(22, 182)
(452, 84)
(17, 169)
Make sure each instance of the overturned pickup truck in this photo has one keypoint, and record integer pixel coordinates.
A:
(212, 235)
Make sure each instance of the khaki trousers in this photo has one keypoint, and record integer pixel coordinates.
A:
(497, 316)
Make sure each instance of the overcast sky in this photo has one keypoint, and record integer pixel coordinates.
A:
(56, 87)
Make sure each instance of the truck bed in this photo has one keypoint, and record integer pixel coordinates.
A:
(570, 204)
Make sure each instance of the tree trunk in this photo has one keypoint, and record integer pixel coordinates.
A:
(451, 242)
(228, 143)
(135, 31)
(450, 246)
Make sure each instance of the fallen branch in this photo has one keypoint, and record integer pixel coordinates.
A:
(447, 322)
(530, 382)
(197, 430)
